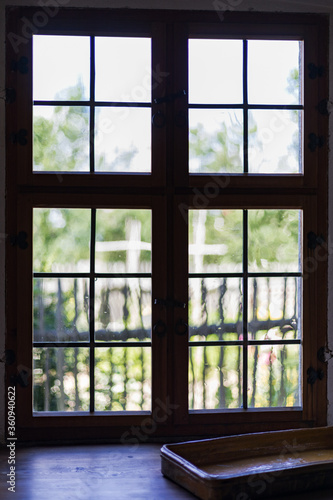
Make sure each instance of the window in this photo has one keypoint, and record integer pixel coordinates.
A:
(166, 179)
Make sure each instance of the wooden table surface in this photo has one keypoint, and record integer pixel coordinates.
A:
(97, 472)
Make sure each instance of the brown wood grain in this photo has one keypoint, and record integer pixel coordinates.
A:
(105, 472)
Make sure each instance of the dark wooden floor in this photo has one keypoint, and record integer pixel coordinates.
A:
(101, 472)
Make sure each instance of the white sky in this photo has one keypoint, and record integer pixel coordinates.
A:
(215, 68)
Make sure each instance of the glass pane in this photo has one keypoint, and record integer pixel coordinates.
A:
(274, 240)
(274, 308)
(215, 377)
(61, 138)
(215, 141)
(275, 141)
(123, 139)
(123, 379)
(215, 71)
(123, 241)
(215, 309)
(274, 376)
(61, 310)
(61, 241)
(274, 71)
(123, 309)
(61, 379)
(61, 68)
(123, 69)
(216, 241)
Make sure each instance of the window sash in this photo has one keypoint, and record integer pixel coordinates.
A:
(172, 191)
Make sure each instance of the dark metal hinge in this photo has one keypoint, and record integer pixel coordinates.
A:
(21, 65)
(9, 357)
(314, 240)
(315, 141)
(22, 378)
(315, 71)
(20, 240)
(314, 375)
(19, 137)
(9, 95)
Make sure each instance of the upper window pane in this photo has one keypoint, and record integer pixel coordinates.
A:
(215, 71)
(123, 139)
(123, 69)
(273, 72)
(61, 68)
(275, 141)
(215, 141)
(61, 138)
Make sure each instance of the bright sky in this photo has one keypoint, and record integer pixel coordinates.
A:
(215, 67)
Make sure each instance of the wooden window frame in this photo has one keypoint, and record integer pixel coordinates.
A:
(168, 187)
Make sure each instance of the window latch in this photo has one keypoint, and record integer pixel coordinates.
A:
(324, 354)
(160, 328)
(314, 240)
(170, 97)
(169, 303)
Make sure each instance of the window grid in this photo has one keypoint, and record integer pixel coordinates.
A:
(92, 344)
(246, 342)
(246, 107)
(92, 104)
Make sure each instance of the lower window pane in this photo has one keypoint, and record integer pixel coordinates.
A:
(123, 309)
(61, 310)
(215, 377)
(123, 379)
(274, 376)
(61, 379)
(274, 308)
(215, 308)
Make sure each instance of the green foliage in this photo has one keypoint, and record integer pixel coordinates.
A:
(61, 141)
(217, 152)
(61, 237)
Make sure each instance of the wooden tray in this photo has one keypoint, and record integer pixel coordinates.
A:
(252, 466)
